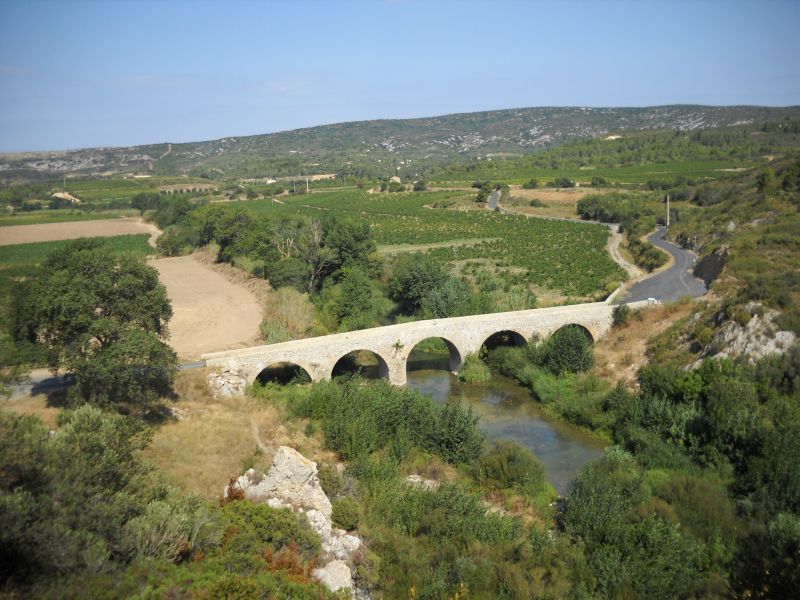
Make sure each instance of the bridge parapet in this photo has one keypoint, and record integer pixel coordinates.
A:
(394, 343)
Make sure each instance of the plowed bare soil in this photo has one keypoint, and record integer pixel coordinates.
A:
(209, 312)
(48, 232)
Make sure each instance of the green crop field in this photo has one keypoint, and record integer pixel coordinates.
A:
(556, 255)
(40, 217)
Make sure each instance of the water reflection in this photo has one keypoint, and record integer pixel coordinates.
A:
(507, 412)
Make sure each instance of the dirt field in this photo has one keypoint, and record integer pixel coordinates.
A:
(210, 312)
(558, 202)
(47, 232)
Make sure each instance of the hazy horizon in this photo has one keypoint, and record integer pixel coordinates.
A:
(93, 74)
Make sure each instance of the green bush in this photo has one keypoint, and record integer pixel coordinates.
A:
(568, 350)
(509, 465)
(620, 314)
(359, 419)
(474, 370)
(345, 513)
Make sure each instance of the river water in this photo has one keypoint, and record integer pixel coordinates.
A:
(507, 412)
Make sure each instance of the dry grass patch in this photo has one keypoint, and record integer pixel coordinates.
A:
(33, 405)
(621, 352)
(216, 439)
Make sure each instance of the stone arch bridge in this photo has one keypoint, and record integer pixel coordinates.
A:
(393, 344)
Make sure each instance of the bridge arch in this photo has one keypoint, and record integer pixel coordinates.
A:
(433, 345)
(504, 337)
(283, 373)
(585, 330)
(362, 361)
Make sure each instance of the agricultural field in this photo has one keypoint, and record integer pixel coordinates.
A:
(552, 255)
(40, 217)
(518, 172)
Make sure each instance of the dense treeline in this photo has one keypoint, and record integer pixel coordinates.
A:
(332, 258)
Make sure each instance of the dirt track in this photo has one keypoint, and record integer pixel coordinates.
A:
(210, 312)
(46, 232)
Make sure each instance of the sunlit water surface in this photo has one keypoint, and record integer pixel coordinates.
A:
(507, 412)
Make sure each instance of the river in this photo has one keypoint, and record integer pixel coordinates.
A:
(508, 412)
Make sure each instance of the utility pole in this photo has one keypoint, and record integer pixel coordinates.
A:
(667, 211)
(306, 184)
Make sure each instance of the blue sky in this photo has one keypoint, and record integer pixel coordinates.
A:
(113, 72)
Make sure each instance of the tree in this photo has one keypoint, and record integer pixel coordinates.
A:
(351, 242)
(355, 296)
(316, 255)
(104, 317)
(420, 186)
(413, 279)
(766, 182)
(568, 350)
(531, 185)
(451, 298)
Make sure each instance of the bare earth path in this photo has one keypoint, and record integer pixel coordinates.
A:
(210, 312)
(46, 232)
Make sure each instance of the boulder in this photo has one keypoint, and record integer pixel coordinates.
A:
(292, 479)
(336, 543)
(228, 382)
(335, 575)
(758, 338)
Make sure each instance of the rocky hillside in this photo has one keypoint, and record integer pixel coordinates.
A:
(375, 147)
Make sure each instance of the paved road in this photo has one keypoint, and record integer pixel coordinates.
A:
(494, 200)
(673, 283)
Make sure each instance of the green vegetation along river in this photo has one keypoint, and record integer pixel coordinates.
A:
(507, 412)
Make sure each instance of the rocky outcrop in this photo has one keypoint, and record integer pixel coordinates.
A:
(758, 338)
(227, 382)
(292, 483)
(335, 575)
(709, 267)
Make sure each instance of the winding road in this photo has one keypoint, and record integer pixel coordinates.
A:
(672, 283)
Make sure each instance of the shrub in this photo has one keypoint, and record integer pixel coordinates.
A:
(568, 350)
(329, 479)
(345, 513)
(620, 314)
(509, 465)
(531, 185)
(474, 370)
(359, 419)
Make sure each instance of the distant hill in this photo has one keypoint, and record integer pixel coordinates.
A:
(371, 148)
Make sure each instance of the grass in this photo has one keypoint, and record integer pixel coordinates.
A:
(62, 216)
(36, 253)
(217, 439)
(622, 351)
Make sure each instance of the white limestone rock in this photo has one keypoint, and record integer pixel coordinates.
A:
(336, 543)
(755, 340)
(292, 479)
(228, 382)
(335, 575)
